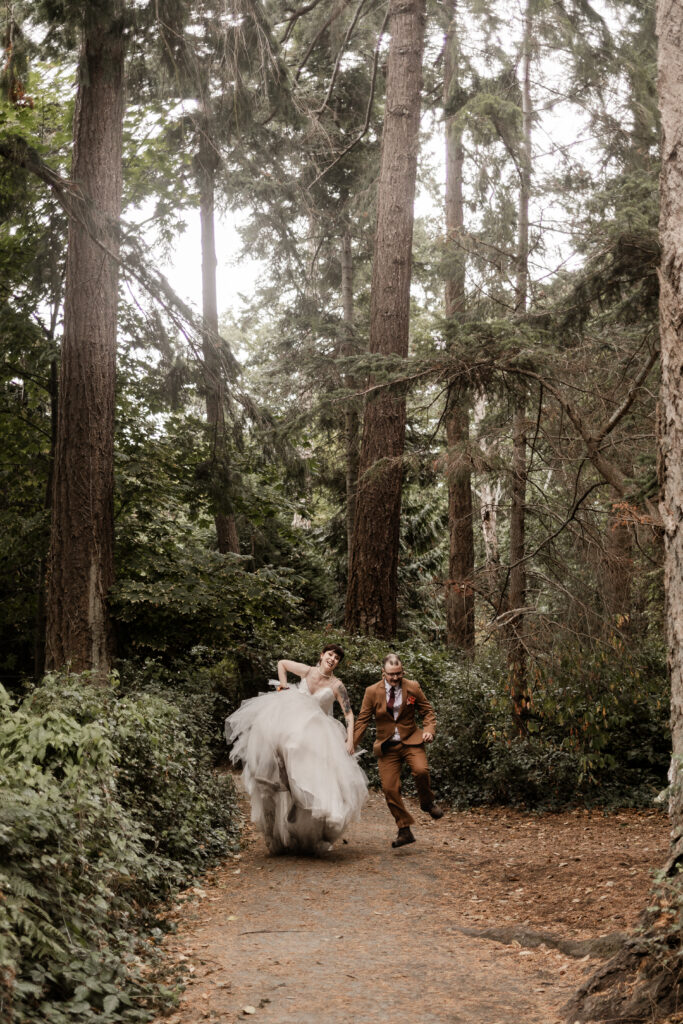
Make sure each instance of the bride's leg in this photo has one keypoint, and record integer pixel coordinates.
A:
(279, 782)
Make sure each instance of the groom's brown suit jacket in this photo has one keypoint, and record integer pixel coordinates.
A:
(375, 704)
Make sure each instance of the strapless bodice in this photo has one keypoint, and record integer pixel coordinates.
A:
(324, 696)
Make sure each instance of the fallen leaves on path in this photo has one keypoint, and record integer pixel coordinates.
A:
(369, 934)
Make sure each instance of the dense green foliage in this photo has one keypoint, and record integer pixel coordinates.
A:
(109, 804)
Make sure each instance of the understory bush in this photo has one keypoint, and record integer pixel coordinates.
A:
(107, 805)
(173, 600)
(597, 733)
(205, 686)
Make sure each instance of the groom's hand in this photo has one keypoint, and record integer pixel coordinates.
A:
(428, 737)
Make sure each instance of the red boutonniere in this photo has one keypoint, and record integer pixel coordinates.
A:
(410, 700)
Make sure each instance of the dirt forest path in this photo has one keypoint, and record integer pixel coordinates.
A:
(368, 934)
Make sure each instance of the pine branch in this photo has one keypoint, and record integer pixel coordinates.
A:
(593, 438)
(294, 17)
(368, 109)
(132, 259)
(333, 17)
(342, 51)
(621, 411)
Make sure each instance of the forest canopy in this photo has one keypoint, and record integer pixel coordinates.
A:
(517, 493)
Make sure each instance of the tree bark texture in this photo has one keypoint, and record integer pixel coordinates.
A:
(670, 32)
(517, 581)
(489, 493)
(39, 650)
(214, 380)
(371, 596)
(351, 419)
(80, 564)
(617, 569)
(459, 588)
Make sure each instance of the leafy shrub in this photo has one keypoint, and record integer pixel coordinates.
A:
(105, 805)
(598, 732)
(174, 600)
(68, 851)
(610, 706)
(205, 686)
(165, 775)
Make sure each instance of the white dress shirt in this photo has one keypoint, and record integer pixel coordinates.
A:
(398, 700)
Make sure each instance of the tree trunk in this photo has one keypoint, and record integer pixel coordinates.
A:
(81, 563)
(489, 500)
(373, 572)
(489, 495)
(459, 589)
(670, 32)
(41, 610)
(618, 570)
(226, 529)
(517, 581)
(350, 411)
(643, 981)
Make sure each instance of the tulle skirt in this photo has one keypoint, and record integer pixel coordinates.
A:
(303, 785)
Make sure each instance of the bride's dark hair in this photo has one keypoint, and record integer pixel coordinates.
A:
(339, 651)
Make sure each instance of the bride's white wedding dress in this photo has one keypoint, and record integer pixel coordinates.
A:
(303, 785)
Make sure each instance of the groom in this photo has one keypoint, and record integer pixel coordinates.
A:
(393, 701)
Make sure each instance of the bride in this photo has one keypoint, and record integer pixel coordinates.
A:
(304, 784)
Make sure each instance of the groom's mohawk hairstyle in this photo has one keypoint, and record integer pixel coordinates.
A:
(391, 659)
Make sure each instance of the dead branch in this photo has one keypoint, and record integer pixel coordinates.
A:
(342, 51)
(368, 109)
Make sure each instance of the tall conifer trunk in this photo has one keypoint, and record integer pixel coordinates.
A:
(41, 612)
(459, 591)
(517, 580)
(373, 572)
(617, 569)
(489, 494)
(81, 566)
(350, 412)
(207, 164)
(670, 32)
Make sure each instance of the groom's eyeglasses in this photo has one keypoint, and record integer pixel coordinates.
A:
(394, 675)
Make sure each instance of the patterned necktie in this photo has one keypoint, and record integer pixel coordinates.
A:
(390, 700)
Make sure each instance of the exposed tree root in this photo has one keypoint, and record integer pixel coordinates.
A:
(643, 981)
(601, 946)
(633, 986)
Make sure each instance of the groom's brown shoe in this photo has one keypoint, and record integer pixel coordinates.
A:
(434, 810)
(404, 837)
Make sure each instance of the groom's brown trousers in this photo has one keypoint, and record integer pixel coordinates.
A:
(389, 763)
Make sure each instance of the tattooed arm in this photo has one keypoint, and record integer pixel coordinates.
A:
(345, 704)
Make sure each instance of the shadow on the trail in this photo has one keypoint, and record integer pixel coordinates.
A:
(343, 855)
